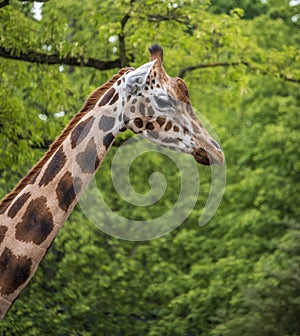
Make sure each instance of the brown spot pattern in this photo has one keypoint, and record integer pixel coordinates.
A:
(181, 90)
(89, 105)
(4, 208)
(108, 139)
(14, 271)
(81, 131)
(107, 97)
(150, 111)
(168, 126)
(54, 167)
(37, 222)
(126, 119)
(88, 159)
(149, 126)
(34, 177)
(67, 189)
(115, 98)
(161, 121)
(138, 122)
(142, 109)
(17, 205)
(106, 123)
(170, 140)
(3, 230)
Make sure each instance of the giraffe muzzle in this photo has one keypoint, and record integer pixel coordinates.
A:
(204, 158)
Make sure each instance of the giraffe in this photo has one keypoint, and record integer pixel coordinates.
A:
(145, 100)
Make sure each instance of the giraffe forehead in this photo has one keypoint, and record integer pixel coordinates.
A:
(175, 87)
(146, 106)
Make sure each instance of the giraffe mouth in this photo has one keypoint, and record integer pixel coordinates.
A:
(202, 156)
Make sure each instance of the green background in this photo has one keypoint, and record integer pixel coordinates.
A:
(237, 275)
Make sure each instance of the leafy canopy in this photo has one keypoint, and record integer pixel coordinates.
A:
(239, 274)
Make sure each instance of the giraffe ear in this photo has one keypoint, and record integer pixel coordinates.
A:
(137, 78)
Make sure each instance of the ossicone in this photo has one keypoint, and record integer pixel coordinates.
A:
(156, 53)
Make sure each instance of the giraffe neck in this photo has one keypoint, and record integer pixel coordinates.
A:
(31, 221)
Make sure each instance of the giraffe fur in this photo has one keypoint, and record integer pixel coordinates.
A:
(145, 100)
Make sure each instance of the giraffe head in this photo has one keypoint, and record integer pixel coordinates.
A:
(158, 108)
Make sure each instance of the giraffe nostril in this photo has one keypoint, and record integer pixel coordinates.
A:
(215, 143)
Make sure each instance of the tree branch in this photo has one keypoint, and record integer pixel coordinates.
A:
(289, 79)
(183, 71)
(184, 19)
(37, 57)
(34, 0)
(123, 56)
(6, 2)
(122, 42)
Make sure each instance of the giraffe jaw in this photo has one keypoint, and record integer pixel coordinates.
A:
(204, 158)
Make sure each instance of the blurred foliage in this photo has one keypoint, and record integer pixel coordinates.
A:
(239, 274)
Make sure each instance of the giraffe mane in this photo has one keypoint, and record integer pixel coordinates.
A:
(87, 106)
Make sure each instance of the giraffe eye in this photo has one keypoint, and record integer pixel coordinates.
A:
(164, 102)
